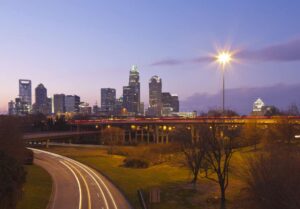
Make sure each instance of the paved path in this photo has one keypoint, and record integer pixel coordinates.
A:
(76, 186)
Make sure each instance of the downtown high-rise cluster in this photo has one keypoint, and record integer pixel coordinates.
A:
(129, 104)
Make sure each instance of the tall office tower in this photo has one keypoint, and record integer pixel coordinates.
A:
(72, 103)
(40, 95)
(25, 94)
(142, 109)
(59, 103)
(131, 93)
(175, 102)
(41, 100)
(155, 96)
(127, 98)
(108, 99)
(49, 103)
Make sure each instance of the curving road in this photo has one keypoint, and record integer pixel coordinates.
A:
(76, 186)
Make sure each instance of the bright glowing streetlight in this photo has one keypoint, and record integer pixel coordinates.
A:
(224, 58)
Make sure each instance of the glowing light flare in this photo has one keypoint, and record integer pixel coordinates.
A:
(224, 58)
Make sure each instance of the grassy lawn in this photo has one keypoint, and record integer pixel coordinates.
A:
(37, 189)
(173, 180)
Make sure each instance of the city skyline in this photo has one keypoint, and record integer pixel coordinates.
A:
(128, 102)
(96, 49)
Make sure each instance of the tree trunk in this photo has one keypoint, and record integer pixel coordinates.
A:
(194, 181)
(223, 198)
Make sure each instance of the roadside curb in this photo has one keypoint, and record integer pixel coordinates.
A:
(49, 205)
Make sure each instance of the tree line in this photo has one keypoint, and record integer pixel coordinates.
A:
(13, 155)
(271, 172)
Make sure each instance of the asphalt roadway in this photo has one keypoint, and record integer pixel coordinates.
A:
(77, 186)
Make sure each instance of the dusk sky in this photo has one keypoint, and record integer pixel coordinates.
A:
(78, 47)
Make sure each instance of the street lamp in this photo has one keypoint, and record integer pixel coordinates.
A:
(224, 58)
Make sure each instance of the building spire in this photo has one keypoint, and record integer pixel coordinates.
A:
(134, 68)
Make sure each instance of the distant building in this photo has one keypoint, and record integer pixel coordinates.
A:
(41, 101)
(118, 106)
(175, 102)
(170, 101)
(142, 108)
(40, 95)
(50, 105)
(108, 99)
(72, 103)
(131, 93)
(85, 109)
(128, 98)
(185, 114)
(11, 108)
(258, 107)
(21, 107)
(155, 96)
(96, 109)
(59, 103)
(25, 95)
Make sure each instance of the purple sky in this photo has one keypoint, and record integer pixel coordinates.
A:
(77, 47)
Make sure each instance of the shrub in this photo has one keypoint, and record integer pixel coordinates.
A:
(274, 180)
(136, 163)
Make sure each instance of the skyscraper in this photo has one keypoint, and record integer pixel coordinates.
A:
(59, 103)
(175, 102)
(131, 93)
(25, 94)
(155, 96)
(41, 100)
(72, 103)
(40, 95)
(108, 99)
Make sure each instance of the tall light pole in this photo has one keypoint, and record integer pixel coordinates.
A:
(223, 58)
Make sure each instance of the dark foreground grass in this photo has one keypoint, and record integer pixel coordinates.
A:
(173, 180)
(37, 189)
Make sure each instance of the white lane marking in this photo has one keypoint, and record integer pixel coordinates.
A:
(97, 176)
(78, 183)
(85, 183)
(82, 166)
(105, 200)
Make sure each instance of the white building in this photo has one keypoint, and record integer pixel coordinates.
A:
(258, 105)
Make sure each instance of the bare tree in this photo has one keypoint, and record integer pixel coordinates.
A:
(293, 110)
(112, 136)
(194, 152)
(251, 134)
(283, 131)
(219, 150)
(273, 178)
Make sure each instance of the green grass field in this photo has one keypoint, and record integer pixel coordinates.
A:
(37, 189)
(173, 180)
